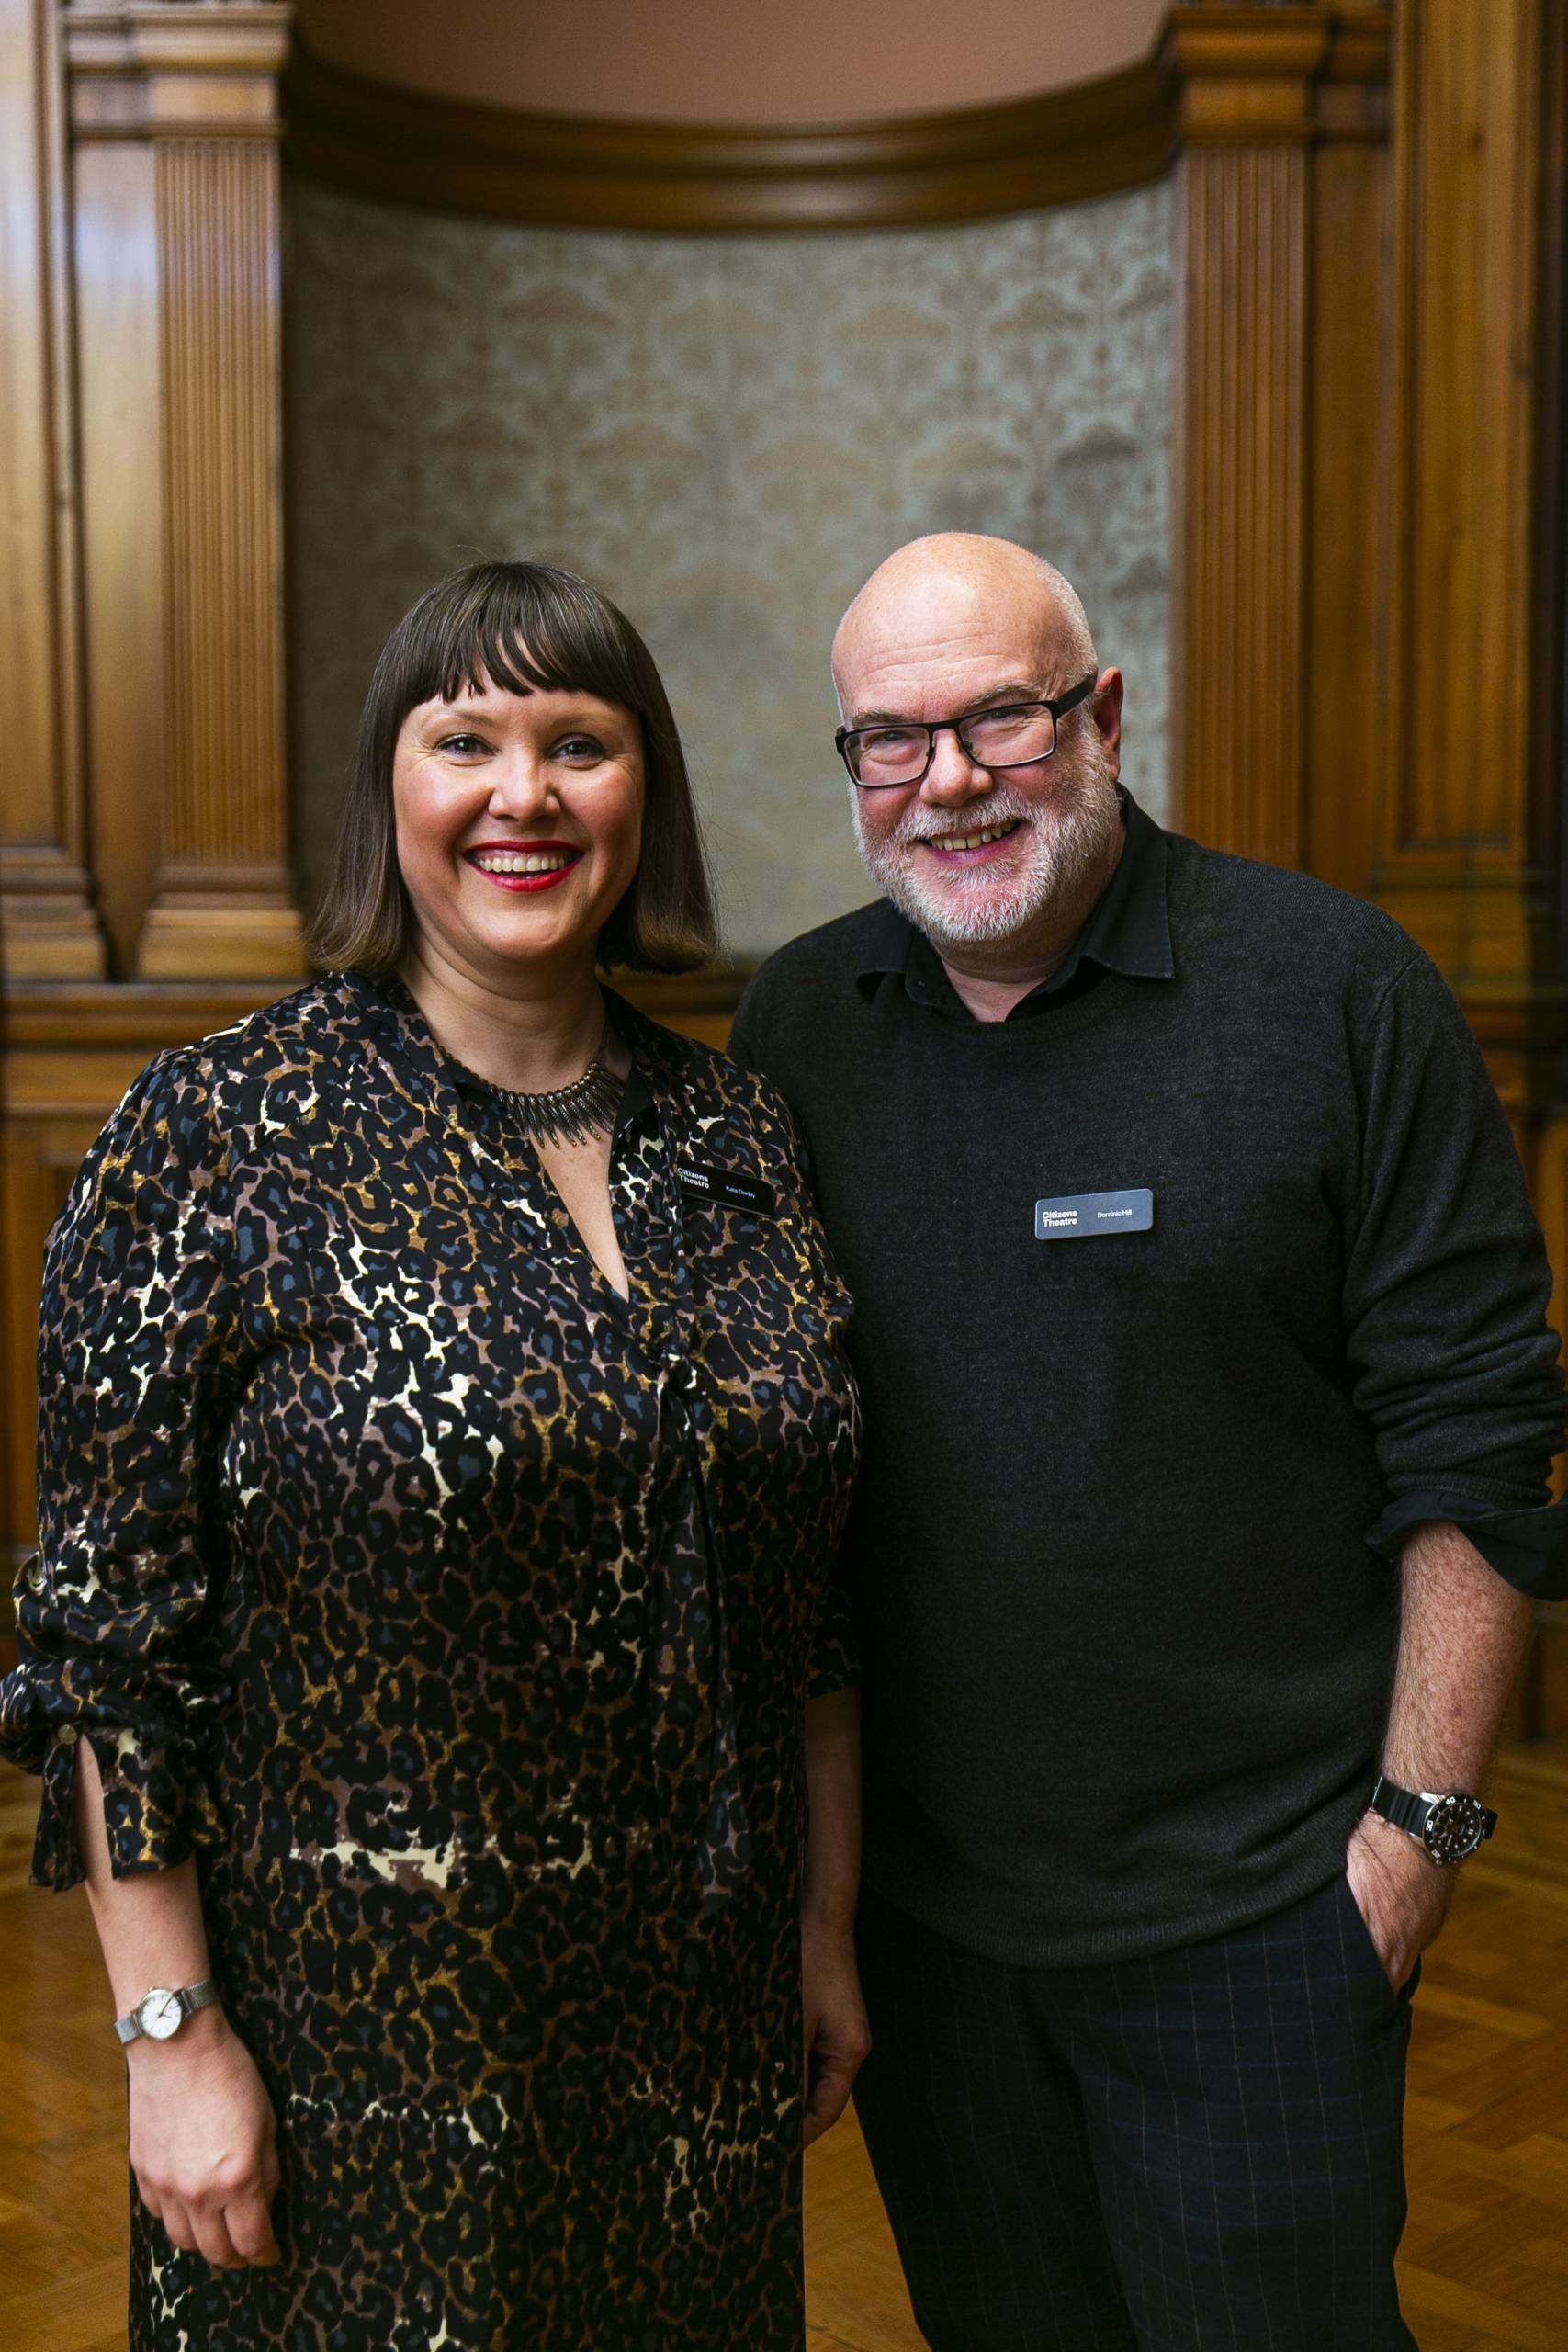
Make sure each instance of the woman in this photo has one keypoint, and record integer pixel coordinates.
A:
(445, 1438)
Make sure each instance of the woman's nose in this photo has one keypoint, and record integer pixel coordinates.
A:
(523, 782)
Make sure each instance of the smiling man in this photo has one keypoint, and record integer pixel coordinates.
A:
(1209, 1402)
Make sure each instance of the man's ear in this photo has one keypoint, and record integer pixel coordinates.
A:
(1105, 709)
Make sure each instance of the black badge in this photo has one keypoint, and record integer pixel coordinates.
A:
(729, 1186)
(1077, 1215)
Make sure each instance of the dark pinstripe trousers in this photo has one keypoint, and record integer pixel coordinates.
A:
(1201, 2151)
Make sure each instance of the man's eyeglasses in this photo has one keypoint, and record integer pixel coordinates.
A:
(1013, 736)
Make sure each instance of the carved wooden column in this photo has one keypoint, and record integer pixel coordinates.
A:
(1470, 826)
(1247, 76)
(174, 128)
(48, 929)
(1282, 431)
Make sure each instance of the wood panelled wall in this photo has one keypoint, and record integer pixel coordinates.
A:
(1372, 533)
(49, 926)
(173, 128)
(1372, 530)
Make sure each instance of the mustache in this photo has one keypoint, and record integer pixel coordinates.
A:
(998, 808)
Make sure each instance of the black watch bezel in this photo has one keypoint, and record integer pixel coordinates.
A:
(1448, 1829)
(1454, 1828)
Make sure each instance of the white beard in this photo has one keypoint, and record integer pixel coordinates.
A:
(1069, 840)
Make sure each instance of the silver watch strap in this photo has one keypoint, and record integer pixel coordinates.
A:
(190, 1997)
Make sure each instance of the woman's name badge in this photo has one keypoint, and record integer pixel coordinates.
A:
(1077, 1215)
(729, 1186)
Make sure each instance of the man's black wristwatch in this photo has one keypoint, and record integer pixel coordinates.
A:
(1448, 1829)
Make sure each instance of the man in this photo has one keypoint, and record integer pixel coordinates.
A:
(1199, 1319)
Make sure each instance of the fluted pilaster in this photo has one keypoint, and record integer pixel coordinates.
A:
(175, 127)
(1240, 603)
(49, 928)
(1470, 837)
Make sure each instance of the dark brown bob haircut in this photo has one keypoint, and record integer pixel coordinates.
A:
(526, 627)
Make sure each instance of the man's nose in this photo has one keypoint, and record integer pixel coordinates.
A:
(953, 776)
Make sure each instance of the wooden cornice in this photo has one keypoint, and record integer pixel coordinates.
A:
(188, 72)
(437, 154)
(1279, 74)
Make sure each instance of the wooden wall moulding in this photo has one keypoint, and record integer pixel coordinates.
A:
(174, 127)
(196, 68)
(143, 1016)
(1470, 834)
(49, 927)
(68, 1051)
(407, 147)
(1283, 116)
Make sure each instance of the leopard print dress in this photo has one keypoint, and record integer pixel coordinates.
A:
(459, 1615)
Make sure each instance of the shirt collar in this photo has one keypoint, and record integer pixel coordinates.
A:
(638, 1102)
(1127, 930)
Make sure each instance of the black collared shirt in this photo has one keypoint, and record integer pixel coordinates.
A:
(1134, 1486)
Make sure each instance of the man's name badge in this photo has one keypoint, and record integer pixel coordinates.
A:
(728, 1186)
(1079, 1214)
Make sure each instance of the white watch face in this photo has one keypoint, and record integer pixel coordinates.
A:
(159, 2014)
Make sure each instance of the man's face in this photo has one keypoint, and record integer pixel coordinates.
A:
(971, 854)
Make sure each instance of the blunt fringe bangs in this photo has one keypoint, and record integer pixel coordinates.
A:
(528, 627)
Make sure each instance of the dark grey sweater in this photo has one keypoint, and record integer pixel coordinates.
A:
(1128, 1643)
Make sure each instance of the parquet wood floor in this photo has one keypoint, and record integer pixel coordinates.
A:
(1485, 2265)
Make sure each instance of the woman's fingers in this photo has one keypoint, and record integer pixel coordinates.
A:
(212, 2237)
(248, 2220)
(827, 2097)
(838, 2037)
(233, 2236)
(178, 2227)
(204, 2147)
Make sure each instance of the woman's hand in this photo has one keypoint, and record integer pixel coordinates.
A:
(836, 2035)
(204, 2143)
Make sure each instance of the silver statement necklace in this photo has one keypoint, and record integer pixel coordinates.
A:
(572, 1114)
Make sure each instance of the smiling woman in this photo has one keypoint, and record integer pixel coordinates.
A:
(519, 818)
(506, 633)
(419, 1644)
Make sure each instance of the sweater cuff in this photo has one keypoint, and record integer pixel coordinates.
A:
(1529, 1549)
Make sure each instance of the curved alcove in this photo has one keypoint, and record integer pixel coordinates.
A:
(628, 347)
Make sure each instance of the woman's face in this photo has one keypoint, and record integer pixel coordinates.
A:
(519, 825)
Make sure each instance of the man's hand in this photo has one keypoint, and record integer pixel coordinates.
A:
(836, 2035)
(203, 2145)
(1402, 1895)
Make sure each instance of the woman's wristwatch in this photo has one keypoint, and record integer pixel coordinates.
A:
(160, 2014)
(1448, 1829)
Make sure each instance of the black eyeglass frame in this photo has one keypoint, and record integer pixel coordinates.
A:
(1058, 705)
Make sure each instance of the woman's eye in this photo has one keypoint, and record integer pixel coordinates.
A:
(465, 746)
(583, 750)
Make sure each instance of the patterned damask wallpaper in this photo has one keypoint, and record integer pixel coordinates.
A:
(727, 434)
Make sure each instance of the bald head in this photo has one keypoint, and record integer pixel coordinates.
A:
(962, 639)
(947, 585)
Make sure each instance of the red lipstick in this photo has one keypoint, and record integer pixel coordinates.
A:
(570, 853)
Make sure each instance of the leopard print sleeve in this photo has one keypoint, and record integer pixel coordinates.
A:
(835, 1659)
(835, 1656)
(113, 1609)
